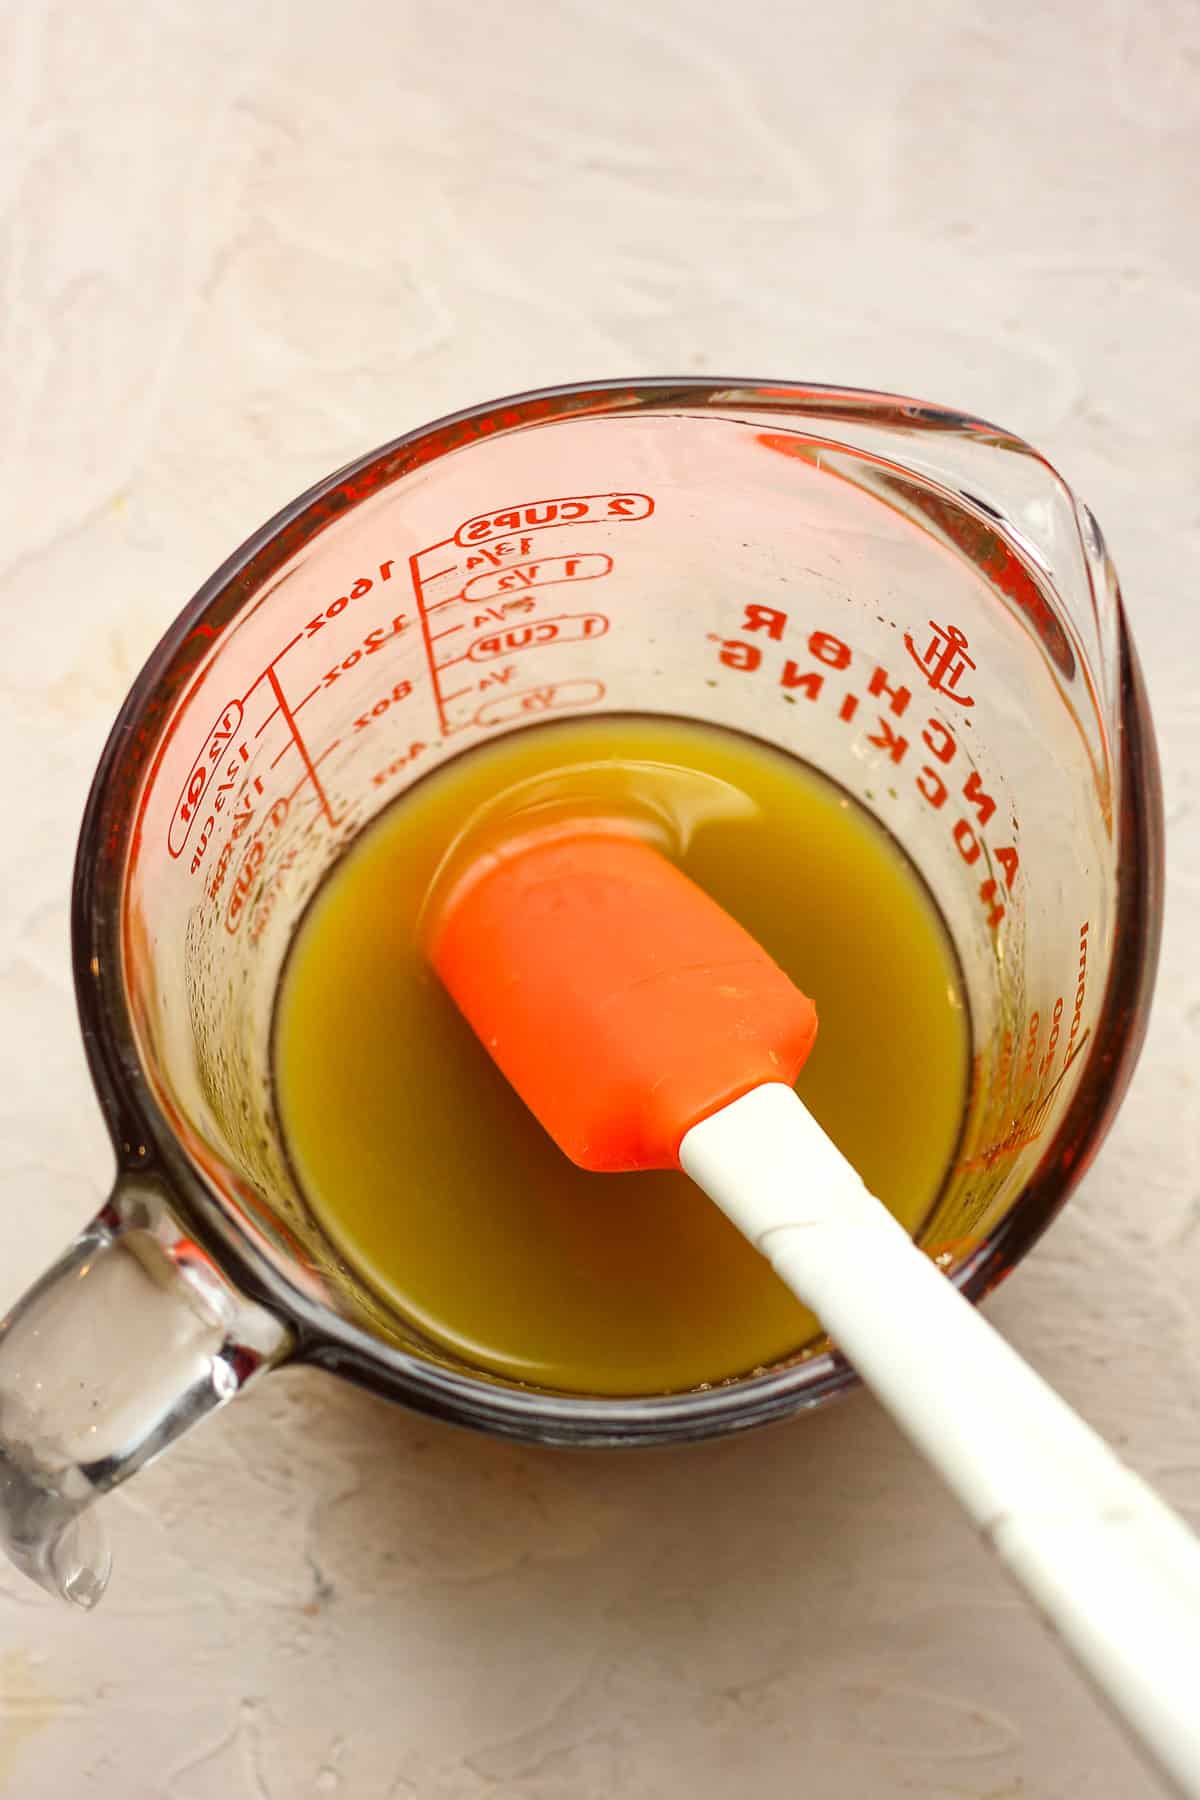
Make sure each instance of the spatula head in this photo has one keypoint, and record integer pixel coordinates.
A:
(622, 1003)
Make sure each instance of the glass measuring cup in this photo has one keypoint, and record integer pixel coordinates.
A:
(910, 600)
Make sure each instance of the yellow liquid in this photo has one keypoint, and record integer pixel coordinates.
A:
(433, 1181)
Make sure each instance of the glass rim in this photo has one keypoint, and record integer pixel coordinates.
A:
(146, 1145)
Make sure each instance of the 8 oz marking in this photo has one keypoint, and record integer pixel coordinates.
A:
(384, 704)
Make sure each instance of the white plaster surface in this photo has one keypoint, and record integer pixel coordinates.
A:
(241, 243)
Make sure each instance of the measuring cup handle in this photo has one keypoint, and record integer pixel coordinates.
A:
(129, 1339)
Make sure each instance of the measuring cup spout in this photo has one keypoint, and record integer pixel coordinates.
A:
(132, 1337)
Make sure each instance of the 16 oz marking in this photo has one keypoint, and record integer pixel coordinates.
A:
(362, 586)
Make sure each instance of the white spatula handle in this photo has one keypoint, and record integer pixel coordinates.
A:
(1113, 1570)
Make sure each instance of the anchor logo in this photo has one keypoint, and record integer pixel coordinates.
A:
(943, 661)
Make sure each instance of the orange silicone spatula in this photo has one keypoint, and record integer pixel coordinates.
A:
(646, 1029)
(622, 1003)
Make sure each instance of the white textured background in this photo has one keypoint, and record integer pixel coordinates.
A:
(243, 242)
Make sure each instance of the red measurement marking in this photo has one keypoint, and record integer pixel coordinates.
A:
(242, 819)
(423, 612)
(255, 854)
(530, 702)
(503, 559)
(201, 772)
(277, 658)
(196, 799)
(385, 702)
(570, 509)
(301, 746)
(327, 751)
(499, 615)
(496, 678)
(568, 628)
(243, 883)
(383, 776)
(357, 589)
(280, 654)
(1047, 1061)
(1026, 1129)
(496, 553)
(549, 571)
(1080, 995)
(371, 645)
